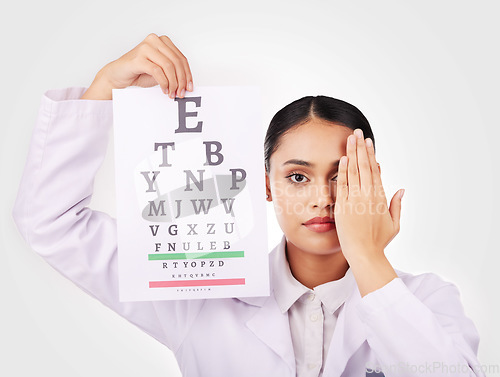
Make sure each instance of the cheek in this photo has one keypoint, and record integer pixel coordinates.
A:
(290, 203)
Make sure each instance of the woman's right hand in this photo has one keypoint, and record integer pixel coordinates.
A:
(156, 60)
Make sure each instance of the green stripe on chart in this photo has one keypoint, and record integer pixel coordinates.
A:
(216, 254)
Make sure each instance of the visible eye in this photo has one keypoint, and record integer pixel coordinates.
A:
(335, 178)
(297, 178)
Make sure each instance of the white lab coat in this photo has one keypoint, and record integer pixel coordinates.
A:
(413, 326)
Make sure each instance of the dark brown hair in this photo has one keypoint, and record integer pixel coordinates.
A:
(303, 110)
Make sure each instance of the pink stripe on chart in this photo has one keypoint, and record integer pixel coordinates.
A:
(195, 283)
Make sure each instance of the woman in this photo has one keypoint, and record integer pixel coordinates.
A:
(337, 306)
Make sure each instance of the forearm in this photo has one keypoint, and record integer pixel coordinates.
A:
(432, 334)
(67, 147)
(422, 333)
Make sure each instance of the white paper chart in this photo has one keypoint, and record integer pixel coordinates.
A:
(190, 187)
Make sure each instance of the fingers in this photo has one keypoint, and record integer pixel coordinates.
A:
(173, 63)
(183, 60)
(178, 80)
(376, 177)
(352, 167)
(164, 69)
(364, 169)
(395, 210)
(157, 73)
(342, 189)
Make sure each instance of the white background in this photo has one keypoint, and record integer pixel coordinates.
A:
(425, 73)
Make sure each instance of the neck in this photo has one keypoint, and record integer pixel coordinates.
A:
(315, 269)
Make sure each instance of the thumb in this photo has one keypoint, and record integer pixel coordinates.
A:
(395, 207)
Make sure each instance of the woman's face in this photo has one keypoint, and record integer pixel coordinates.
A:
(302, 184)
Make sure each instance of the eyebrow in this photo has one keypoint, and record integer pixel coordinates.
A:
(294, 161)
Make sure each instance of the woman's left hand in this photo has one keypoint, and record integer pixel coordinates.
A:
(365, 225)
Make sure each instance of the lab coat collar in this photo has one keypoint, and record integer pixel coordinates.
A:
(334, 293)
(287, 289)
(274, 274)
(272, 326)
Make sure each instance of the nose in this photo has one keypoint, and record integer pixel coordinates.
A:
(323, 196)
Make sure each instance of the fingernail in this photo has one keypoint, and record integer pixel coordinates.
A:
(182, 93)
(172, 95)
(369, 142)
(352, 139)
(401, 193)
(358, 133)
(190, 86)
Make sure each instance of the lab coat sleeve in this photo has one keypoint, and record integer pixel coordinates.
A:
(51, 211)
(424, 332)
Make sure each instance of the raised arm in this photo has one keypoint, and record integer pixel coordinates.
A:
(67, 148)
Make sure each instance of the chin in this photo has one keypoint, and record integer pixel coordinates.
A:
(323, 249)
(316, 243)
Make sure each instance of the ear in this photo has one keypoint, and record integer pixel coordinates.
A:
(269, 197)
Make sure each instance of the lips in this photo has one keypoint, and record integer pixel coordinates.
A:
(320, 220)
(320, 224)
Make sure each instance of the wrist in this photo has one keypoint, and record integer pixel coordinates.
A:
(362, 255)
(100, 89)
(371, 272)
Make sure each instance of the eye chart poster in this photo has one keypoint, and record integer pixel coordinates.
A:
(190, 187)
